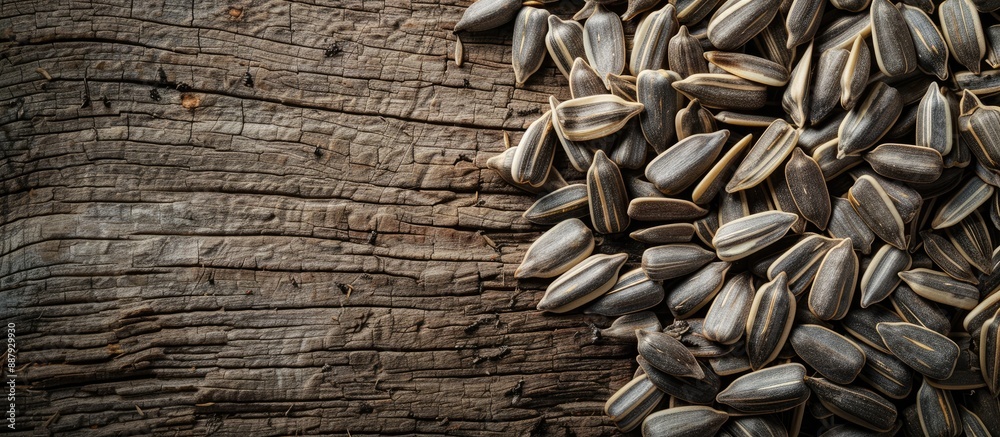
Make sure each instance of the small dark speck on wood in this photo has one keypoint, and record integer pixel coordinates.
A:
(318, 151)
(162, 76)
(106, 101)
(366, 408)
(372, 237)
(182, 87)
(154, 94)
(333, 50)
(516, 392)
(465, 83)
(503, 351)
(593, 331)
(530, 111)
(248, 79)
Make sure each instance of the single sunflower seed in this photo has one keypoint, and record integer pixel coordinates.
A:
(926, 351)
(557, 250)
(583, 283)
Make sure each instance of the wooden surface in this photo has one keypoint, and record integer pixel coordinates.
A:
(186, 254)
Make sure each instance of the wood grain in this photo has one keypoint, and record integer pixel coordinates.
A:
(183, 253)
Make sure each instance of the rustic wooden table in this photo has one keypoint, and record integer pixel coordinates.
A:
(273, 218)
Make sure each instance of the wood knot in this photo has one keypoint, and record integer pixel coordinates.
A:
(190, 101)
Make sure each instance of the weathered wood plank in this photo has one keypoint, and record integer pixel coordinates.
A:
(182, 252)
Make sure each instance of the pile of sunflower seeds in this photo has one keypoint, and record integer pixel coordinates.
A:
(813, 187)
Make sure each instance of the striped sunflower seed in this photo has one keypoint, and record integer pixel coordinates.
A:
(803, 20)
(649, 51)
(607, 197)
(870, 200)
(769, 321)
(696, 391)
(972, 425)
(834, 356)
(745, 236)
(906, 163)
(636, 7)
(851, 5)
(564, 42)
(771, 390)
(530, 28)
(854, 404)
(894, 51)
(928, 43)
(801, 262)
(604, 42)
(674, 260)
(749, 67)
(854, 78)
(729, 364)
(926, 351)
(947, 257)
(667, 354)
(632, 403)
(746, 120)
(625, 327)
(972, 239)
(935, 125)
(687, 420)
(584, 81)
(726, 319)
(693, 119)
(867, 122)
(685, 55)
(720, 173)
(674, 170)
(885, 373)
(622, 86)
(503, 163)
(986, 83)
(808, 188)
(772, 43)
(557, 250)
(633, 292)
(977, 124)
(688, 296)
(964, 32)
(630, 152)
(663, 209)
(962, 203)
(487, 14)
(833, 288)
(914, 309)
(977, 317)
(845, 223)
(593, 117)
(753, 426)
(881, 276)
(580, 155)
(694, 11)
(565, 203)
(665, 234)
(937, 412)
(534, 154)
(861, 323)
(941, 288)
(826, 90)
(583, 283)
(795, 101)
(737, 21)
(989, 354)
(984, 405)
(723, 91)
(841, 32)
(661, 102)
(770, 150)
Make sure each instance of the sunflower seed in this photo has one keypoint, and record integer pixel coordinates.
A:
(772, 43)
(964, 32)
(459, 51)
(881, 276)
(487, 14)
(624, 327)
(769, 321)
(781, 196)
(854, 404)
(841, 32)
(851, 5)
(663, 209)
(723, 91)
(937, 411)
(801, 262)
(604, 42)
(877, 210)
(746, 120)
(633, 292)
(632, 403)
(668, 355)
(962, 202)
(928, 43)
(972, 425)
(832, 165)
(985, 83)
(826, 84)
(989, 354)
(978, 126)
(753, 426)
(689, 295)
(803, 20)
(906, 163)
(607, 197)
(674, 170)
(729, 364)
(565, 203)
(726, 318)
(580, 155)
(833, 288)
(845, 223)
(770, 150)
(808, 188)
(941, 288)
(946, 256)
(733, 206)
(584, 81)
(661, 102)
(688, 420)
(664, 234)
(636, 7)
(534, 154)
(917, 311)
(894, 51)
(706, 227)
(592, 117)
(649, 51)
(832, 355)
(503, 163)
(870, 120)
(977, 317)
(695, 391)
(530, 28)
(693, 119)
(674, 260)
(771, 390)
(861, 323)
(622, 86)
(720, 173)
(924, 350)
(564, 42)
(885, 373)
(993, 40)
(795, 100)
(855, 74)
(743, 237)
(935, 128)
(972, 239)
(737, 21)
(557, 250)
(685, 55)
(749, 67)
(630, 152)
(583, 283)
